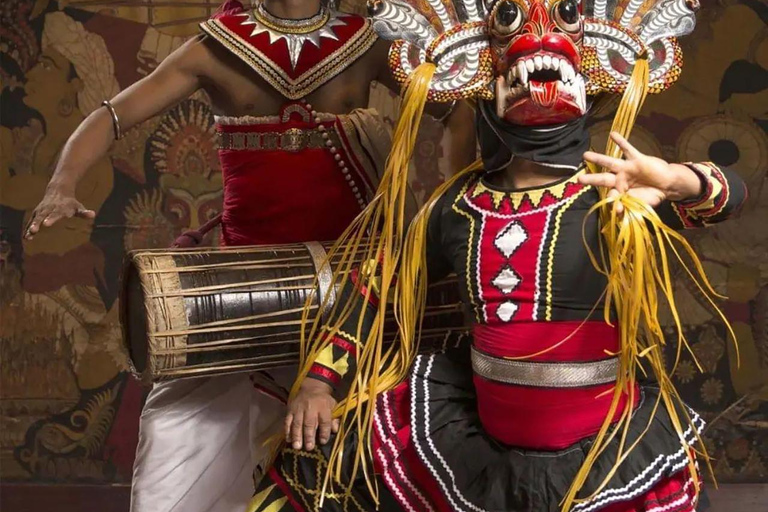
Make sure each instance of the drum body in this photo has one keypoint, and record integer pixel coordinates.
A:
(202, 312)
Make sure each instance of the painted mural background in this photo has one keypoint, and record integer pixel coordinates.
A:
(68, 411)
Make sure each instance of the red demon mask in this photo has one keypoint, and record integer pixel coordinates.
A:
(537, 46)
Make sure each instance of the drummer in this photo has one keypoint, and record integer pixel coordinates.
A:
(299, 161)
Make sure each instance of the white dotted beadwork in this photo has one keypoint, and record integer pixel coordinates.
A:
(337, 155)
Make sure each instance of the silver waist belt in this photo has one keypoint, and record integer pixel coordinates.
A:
(545, 375)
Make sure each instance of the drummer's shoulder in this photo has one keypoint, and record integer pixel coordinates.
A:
(205, 57)
(196, 54)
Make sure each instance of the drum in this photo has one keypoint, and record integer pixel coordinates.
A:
(202, 312)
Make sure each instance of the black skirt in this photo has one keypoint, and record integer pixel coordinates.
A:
(432, 454)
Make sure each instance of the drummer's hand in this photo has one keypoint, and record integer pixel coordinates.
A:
(309, 415)
(57, 204)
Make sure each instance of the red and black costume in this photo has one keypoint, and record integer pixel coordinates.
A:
(509, 420)
(458, 434)
(466, 437)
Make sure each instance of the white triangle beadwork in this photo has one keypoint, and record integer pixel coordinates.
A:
(295, 41)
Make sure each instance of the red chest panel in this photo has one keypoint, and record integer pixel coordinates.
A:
(341, 41)
(513, 234)
(283, 184)
(508, 255)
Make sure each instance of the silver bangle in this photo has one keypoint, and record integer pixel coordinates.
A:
(115, 119)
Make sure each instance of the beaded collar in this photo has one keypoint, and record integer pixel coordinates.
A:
(294, 32)
(294, 56)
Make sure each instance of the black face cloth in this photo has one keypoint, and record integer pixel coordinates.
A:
(556, 145)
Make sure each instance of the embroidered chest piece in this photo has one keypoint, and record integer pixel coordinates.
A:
(296, 33)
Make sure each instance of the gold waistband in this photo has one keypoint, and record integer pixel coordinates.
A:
(283, 117)
(545, 375)
(291, 140)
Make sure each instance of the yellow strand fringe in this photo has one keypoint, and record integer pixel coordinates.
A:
(376, 235)
(634, 257)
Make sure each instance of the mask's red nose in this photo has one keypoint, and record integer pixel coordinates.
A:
(554, 43)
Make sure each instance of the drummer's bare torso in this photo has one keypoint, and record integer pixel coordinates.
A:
(237, 90)
(245, 74)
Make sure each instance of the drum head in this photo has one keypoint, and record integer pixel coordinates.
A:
(134, 319)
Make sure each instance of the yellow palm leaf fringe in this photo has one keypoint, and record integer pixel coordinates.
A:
(374, 242)
(635, 257)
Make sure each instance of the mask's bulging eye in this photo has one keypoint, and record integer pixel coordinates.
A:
(508, 18)
(567, 15)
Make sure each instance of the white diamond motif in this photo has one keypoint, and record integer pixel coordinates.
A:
(510, 238)
(506, 311)
(507, 280)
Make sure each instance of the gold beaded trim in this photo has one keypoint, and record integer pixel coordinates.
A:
(292, 140)
(308, 82)
(284, 26)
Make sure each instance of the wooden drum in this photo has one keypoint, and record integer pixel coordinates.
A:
(202, 312)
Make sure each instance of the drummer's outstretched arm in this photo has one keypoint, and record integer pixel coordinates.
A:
(175, 79)
(309, 419)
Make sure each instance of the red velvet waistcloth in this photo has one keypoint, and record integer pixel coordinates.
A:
(279, 196)
(544, 418)
(552, 341)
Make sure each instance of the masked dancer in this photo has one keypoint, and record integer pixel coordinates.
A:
(561, 255)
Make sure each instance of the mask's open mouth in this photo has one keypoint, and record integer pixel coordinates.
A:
(541, 88)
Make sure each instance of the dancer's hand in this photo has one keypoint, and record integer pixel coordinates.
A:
(644, 177)
(56, 205)
(309, 415)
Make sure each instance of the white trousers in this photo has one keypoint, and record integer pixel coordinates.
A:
(200, 441)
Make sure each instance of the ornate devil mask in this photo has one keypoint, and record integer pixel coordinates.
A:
(538, 60)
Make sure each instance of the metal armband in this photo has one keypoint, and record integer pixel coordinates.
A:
(115, 120)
